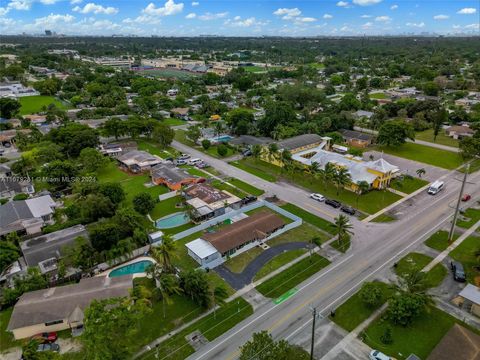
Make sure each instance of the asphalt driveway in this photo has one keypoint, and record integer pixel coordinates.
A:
(239, 280)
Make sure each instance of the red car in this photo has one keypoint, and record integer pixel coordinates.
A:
(47, 337)
(466, 197)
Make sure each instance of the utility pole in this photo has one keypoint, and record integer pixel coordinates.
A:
(313, 333)
(457, 208)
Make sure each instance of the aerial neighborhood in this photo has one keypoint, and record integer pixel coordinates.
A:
(171, 198)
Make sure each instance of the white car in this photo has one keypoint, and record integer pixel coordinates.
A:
(318, 197)
(377, 355)
(194, 161)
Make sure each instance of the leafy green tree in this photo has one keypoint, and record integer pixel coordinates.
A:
(404, 308)
(9, 107)
(256, 152)
(262, 346)
(395, 133)
(240, 120)
(33, 280)
(371, 295)
(29, 352)
(74, 137)
(470, 146)
(163, 134)
(194, 284)
(110, 328)
(143, 203)
(341, 177)
(9, 253)
(206, 144)
(194, 133)
(94, 207)
(222, 150)
(114, 127)
(91, 160)
(60, 173)
(164, 253)
(81, 254)
(114, 191)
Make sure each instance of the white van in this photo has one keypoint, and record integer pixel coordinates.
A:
(436, 187)
(194, 161)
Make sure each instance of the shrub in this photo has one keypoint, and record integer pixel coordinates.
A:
(21, 196)
(222, 150)
(206, 144)
(371, 295)
(386, 338)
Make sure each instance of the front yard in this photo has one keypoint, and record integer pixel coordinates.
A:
(415, 262)
(278, 261)
(408, 184)
(468, 254)
(472, 216)
(439, 240)
(441, 139)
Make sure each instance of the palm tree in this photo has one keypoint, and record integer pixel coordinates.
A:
(328, 173)
(362, 187)
(272, 152)
(421, 172)
(343, 228)
(256, 152)
(218, 128)
(313, 170)
(285, 157)
(164, 252)
(341, 177)
(166, 285)
(219, 295)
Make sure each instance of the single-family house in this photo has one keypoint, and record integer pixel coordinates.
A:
(172, 177)
(61, 308)
(362, 114)
(356, 138)
(26, 216)
(459, 132)
(457, 343)
(181, 113)
(470, 296)
(208, 202)
(10, 186)
(138, 161)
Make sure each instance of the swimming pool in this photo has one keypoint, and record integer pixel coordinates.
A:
(133, 268)
(172, 220)
(225, 138)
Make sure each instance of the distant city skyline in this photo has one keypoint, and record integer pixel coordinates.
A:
(240, 18)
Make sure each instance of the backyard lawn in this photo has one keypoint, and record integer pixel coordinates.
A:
(155, 149)
(211, 326)
(34, 104)
(442, 138)
(466, 253)
(408, 184)
(166, 207)
(473, 215)
(291, 277)
(425, 154)
(439, 240)
(278, 261)
(419, 338)
(174, 121)
(354, 311)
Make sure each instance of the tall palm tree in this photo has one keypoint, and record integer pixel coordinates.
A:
(272, 152)
(327, 173)
(341, 177)
(343, 228)
(219, 295)
(256, 152)
(362, 188)
(164, 253)
(313, 170)
(421, 172)
(166, 285)
(285, 156)
(218, 128)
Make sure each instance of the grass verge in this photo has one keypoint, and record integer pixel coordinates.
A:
(278, 261)
(310, 218)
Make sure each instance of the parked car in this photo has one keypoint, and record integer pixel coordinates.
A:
(457, 271)
(45, 337)
(184, 157)
(348, 209)
(247, 152)
(48, 347)
(202, 165)
(180, 162)
(171, 159)
(317, 196)
(377, 355)
(333, 203)
(249, 199)
(466, 197)
(194, 161)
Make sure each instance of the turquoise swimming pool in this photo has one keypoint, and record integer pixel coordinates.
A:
(224, 138)
(172, 220)
(133, 268)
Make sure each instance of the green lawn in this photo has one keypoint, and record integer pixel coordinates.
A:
(415, 262)
(254, 170)
(310, 218)
(473, 216)
(238, 263)
(474, 166)
(7, 340)
(34, 104)
(436, 276)
(166, 207)
(419, 338)
(232, 190)
(377, 96)
(439, 240)
(383, 218)
(278, 261)
(441, 139)
(354, 311)
(245, 187)
(291, 277)
(425, 154)
(174, 121)
(466, 254)
(408, 184)
(341, 246)
(210, 326)
(369, 203)
(155, 149)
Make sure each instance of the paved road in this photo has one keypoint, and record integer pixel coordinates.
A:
(374, 247)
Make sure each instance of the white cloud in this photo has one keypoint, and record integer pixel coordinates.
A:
(366, 2)
(16, 5)
(191, 16)
(142, 19)
(383, 18)
(305, 19)
(441, 17)
(473, 26)
(73, 2)
(7, 22)
(327, 16)
(343, 3)
(96, 9)
(366, 16)
(417, 25)
(210, 16)
(170, 8)
(394, 7)
(48, 2)
(195, 3)
(367, 25)
(237, 21)
(288, 14)
(467, 11)
(53, 19)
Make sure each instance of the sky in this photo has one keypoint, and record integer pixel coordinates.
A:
(240, 17)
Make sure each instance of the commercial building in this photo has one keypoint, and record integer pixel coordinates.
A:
(61, 308)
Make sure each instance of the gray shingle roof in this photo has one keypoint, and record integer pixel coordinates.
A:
(170, 173)
(299, 141)
(14, 211)
(352, 134)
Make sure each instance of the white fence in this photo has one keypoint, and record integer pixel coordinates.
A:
(168, 195)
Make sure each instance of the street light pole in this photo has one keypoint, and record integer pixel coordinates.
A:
(313, 333)
(457, 208)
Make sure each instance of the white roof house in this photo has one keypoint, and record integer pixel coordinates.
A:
(471, 293)
(41, 206)
(204, 253)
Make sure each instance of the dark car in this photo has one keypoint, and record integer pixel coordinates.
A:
(348, 209)
(457, 270)
(247, 152)
(45, 337)
(333, 203)
(48, 347)
(248, 199)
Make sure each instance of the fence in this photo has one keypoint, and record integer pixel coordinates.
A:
(168, 195)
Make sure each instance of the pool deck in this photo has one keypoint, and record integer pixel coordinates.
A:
(138, 259)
